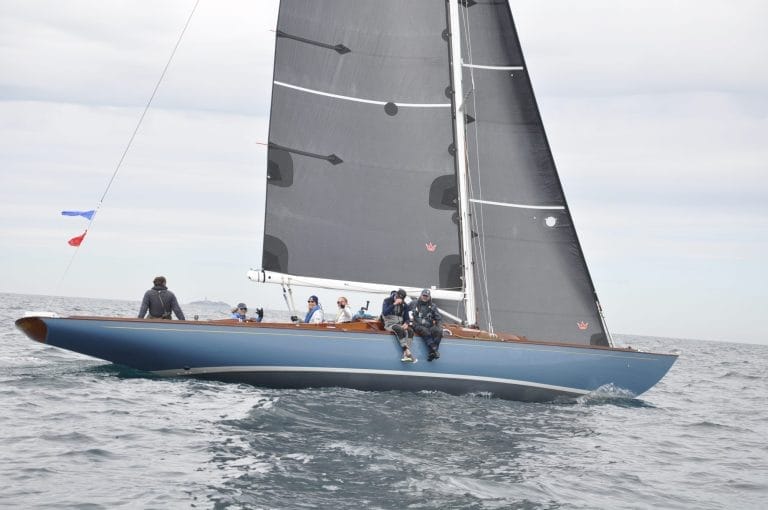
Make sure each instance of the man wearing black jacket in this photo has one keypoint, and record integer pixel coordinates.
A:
(160, 302)
(427, 323)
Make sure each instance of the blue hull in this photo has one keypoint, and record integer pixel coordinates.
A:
(284, 357)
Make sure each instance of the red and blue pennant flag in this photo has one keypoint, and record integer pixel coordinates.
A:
(85, 214)
(76, 241)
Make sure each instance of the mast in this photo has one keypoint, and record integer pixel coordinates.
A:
(462, 178)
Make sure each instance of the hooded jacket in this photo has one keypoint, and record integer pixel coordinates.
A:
(389, 308)
(425, 313)
(160, 302)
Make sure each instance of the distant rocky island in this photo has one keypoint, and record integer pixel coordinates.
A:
(206, 302)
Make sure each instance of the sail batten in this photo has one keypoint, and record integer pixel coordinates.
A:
(493, 67)
(362, 100)
(339, 48)
(519, 206)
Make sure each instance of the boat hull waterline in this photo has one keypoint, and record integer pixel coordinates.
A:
(277, 356)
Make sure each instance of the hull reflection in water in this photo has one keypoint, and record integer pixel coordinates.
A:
(355, 355)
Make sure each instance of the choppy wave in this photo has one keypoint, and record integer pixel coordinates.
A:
(76, 432)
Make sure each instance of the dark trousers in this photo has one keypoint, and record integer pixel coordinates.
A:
(404, 336)
(431, 335)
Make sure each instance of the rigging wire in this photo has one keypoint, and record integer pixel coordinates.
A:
(130, 141)
(477, 210)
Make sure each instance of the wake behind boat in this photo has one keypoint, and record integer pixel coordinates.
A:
(420, 119)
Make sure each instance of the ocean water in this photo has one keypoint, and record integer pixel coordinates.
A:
(78, 433)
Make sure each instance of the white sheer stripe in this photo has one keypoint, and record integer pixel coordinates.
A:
(364, 371)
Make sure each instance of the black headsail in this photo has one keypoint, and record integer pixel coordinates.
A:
(532, 278)
(361, 170)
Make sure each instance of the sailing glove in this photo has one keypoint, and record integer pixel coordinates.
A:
(260, 313)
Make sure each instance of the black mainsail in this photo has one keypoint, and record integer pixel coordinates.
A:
(359, 143)
(364, 163)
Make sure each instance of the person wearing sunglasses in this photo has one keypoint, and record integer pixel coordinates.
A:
(345, 313)
(314, 311)
(240, 313)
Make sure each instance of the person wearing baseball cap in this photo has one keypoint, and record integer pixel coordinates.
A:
(427, 323)
(240, 313)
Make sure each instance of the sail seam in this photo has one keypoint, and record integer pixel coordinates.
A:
(519, 206)
(361, 100)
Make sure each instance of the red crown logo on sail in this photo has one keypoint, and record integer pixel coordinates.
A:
(582, 324)
(431, 247)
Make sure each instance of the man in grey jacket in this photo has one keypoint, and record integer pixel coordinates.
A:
(160, 302)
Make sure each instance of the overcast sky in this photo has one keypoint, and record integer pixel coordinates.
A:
(657, 114)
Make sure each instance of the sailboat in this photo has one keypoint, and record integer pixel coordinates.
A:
(406, 150)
